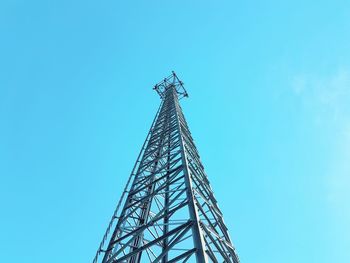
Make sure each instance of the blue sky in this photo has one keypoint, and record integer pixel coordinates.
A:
(269, 86)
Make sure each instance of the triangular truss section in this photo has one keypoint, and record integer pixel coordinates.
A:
(167, 212)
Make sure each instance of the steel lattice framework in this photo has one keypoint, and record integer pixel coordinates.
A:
(167, 212)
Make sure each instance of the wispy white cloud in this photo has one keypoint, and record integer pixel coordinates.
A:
(328, 101)
(327, 95)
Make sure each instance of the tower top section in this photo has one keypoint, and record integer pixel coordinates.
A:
(171, 81)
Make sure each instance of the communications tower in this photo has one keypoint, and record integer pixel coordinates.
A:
(167, 212)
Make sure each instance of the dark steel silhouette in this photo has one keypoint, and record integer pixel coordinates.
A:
(169, 211)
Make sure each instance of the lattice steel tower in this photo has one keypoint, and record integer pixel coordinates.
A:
(168, 209)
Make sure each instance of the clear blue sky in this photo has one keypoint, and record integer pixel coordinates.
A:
(269, 108)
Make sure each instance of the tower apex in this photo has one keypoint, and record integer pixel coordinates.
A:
(171, 81)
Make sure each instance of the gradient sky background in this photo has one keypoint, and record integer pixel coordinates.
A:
(269, 108)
